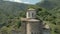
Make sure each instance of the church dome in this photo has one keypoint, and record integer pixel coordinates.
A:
(31, 9)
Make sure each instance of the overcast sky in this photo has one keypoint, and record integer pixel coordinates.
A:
(26, 1)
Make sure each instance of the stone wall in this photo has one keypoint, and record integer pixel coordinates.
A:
(23, 28)
(36, 28)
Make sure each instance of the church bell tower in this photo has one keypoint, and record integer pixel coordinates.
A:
(31, 13)
(32, 25)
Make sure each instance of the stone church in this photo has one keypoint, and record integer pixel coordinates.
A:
(31, 25)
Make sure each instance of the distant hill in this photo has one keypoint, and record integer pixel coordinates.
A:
(12, 5)
(13, 8)
(49, 4)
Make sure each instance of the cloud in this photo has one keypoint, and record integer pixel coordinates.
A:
(19, 1)
(26, 2)
(14, 0)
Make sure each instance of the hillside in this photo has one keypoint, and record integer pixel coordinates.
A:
(12, 5)
(13, 8)
(10, 13)
(49, 4)
(51, 15)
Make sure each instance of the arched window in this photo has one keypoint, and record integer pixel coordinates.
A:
(32, 14)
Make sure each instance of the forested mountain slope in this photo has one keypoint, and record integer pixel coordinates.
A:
(51, 15)
(49, 4)
(10, 13)
(13, 8)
